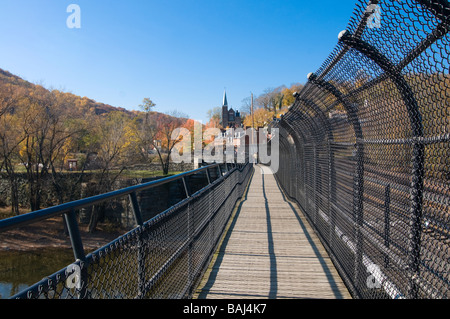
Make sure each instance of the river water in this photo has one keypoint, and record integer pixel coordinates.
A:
(21, 269)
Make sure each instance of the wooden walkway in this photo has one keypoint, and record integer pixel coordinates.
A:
(270, 251)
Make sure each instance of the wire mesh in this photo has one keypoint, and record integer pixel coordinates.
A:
(365, 150)
(164, 258)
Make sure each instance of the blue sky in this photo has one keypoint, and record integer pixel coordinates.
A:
(180, 53)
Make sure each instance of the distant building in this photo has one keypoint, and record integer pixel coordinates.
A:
(230, 118)
(72, 164)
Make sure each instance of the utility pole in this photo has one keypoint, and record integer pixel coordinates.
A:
(253, 122)
(253, 126)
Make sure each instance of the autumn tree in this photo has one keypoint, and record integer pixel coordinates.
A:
(33, 132)
(44, 135)
(166, 125)
(261, 118)
(153, 134)
(214, 117)
(288, 94)
(147, 105)
(10, 139)
(110, 141)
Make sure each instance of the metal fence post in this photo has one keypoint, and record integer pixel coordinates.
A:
(315, 170)
(140, 245)
(190, 233)
(190, 229)
(358, 200)
(332, 192)
(186, 187)
(416, 213)
(394, 72)
(387, 211)
(74, 233)
(358, 181)
(136, 209)
(78, 250)
(208, 176)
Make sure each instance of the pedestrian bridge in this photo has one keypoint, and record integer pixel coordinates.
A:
(358, 206)
(270, 251)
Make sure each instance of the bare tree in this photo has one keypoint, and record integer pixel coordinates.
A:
(111, 157)
(154, 134)
(10, 138)
(44, 134)
(270, 99)
(246, 106)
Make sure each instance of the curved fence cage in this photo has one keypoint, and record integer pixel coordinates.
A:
(163, 257)
(365, 150)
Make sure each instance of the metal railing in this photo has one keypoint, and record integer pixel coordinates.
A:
(365, 151)
(163, 257)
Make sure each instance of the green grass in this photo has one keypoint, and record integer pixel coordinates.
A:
(146, 174)
(130, 173)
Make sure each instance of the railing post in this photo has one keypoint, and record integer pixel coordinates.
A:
(314, 183)
(78, 250)
(140, 245)
(186, 187)
(332, 192)
(211, 219)
(210, 210)
(75, 237)
(358, 211)
(208, 176)
(190, 233)
(190, 229)
(135, 208)
(387, 211)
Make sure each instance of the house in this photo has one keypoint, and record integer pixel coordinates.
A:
(72, 164)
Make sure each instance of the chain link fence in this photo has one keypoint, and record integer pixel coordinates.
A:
(365, 151)
(163, 257)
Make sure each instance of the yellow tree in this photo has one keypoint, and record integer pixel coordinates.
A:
(261, 118)
(10, 139)
(288, 94)
(44, 135)
(111, 146)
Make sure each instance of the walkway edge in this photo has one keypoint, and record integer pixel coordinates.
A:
(206, 276)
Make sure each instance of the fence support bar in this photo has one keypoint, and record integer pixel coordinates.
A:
(135, 207)
(418, 156)
(75, 237)
(358, 184)
(186, 187)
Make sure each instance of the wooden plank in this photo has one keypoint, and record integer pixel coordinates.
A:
(270, 251)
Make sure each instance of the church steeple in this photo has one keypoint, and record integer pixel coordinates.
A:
(225, 102)
(225, 110)
(230, 117)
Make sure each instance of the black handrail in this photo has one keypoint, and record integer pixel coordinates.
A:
(46, 213)
(191, 228)
(68, 209)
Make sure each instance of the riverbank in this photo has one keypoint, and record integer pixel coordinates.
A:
(50, 234)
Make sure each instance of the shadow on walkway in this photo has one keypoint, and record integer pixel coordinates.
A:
(267, 255)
